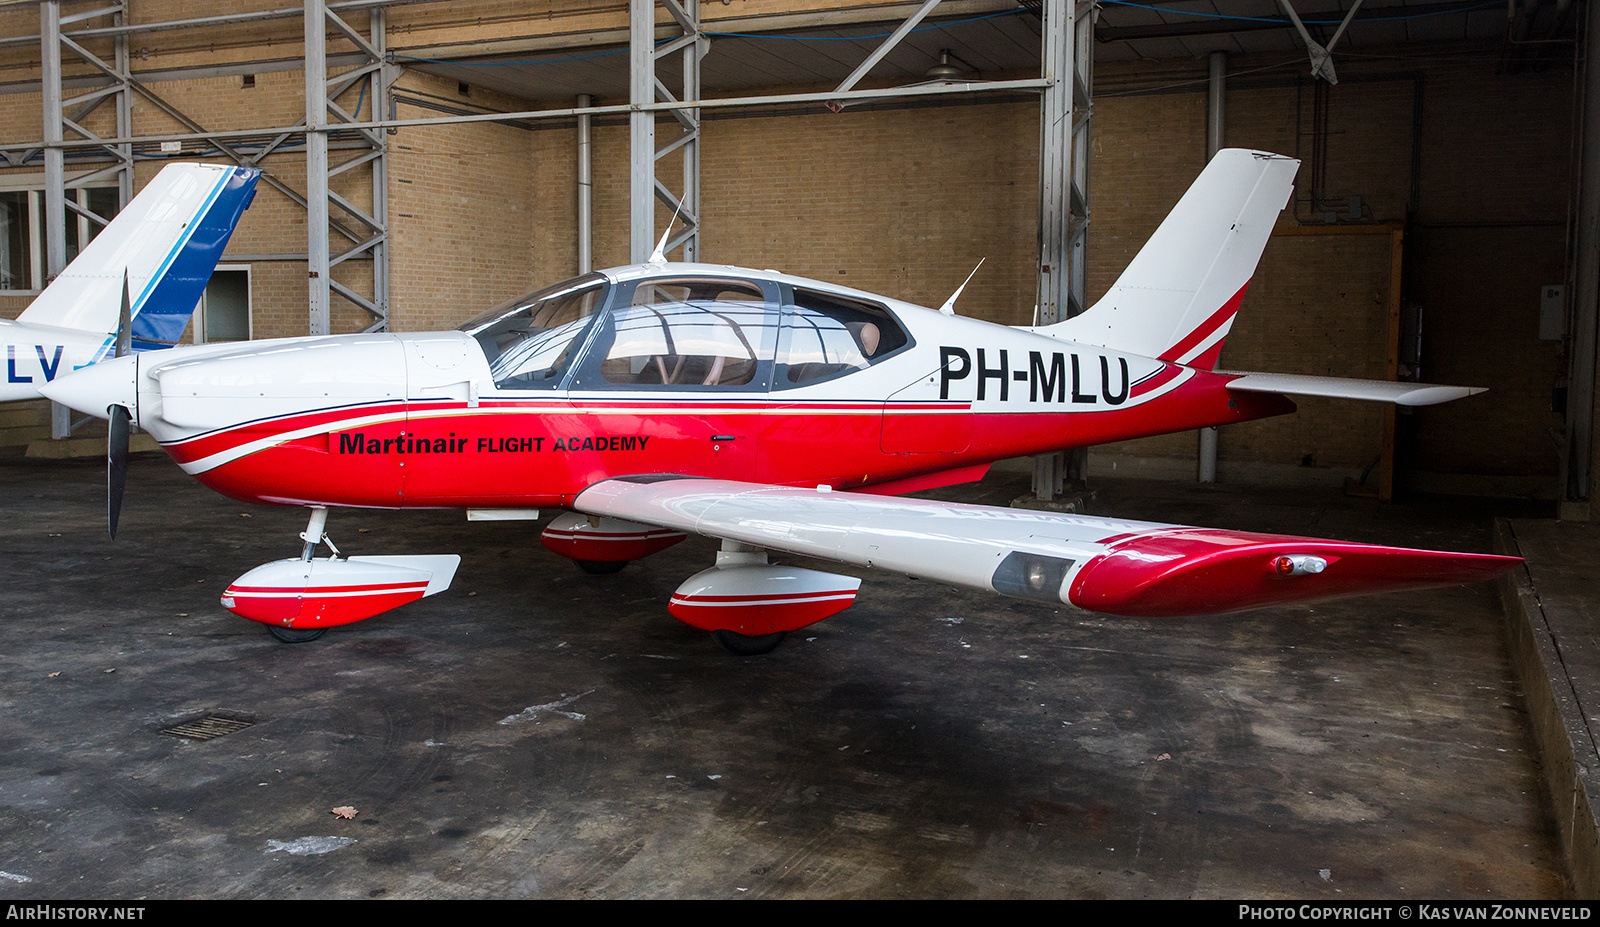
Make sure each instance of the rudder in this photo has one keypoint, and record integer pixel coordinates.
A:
(1177, 298)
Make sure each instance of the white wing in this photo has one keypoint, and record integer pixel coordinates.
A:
(1099, 564)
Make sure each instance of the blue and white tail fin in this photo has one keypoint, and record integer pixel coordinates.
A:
(1177, 299)
(167, 240)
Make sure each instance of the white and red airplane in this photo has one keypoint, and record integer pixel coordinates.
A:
(152, 259)
(774, 413)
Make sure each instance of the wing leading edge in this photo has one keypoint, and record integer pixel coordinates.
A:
(1113, 566)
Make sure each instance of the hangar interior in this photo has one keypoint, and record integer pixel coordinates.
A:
(424, 160)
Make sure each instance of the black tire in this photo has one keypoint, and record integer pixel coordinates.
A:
(748, 645)
(601, 567)
(295, 635)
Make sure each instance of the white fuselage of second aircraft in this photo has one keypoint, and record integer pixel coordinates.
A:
(37, 354)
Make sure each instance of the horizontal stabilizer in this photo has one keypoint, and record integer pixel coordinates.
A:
(1403, 394)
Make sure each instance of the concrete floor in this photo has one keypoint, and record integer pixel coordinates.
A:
(537, 732)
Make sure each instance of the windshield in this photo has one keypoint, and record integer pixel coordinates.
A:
(529, 340)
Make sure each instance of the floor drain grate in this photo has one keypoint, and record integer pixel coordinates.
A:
(207, 728)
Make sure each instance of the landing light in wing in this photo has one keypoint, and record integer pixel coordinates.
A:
(1298, 565)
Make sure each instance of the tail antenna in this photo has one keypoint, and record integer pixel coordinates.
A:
(659, 256)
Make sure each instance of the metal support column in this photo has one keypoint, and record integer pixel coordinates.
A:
(61, 115)
(1577, 458)
(1215, 101)
(694, 47)
(124, 94)
(368, 237)
(55, 216)
(641, 130)
(379, 81)
(645, 89)
(316, 74)
(1068, 55)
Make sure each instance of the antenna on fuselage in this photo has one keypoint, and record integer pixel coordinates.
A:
(949, 307)
(659, 256)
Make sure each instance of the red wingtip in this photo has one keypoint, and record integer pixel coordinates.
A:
(1202, 571)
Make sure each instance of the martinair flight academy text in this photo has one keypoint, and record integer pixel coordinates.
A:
(407, 443)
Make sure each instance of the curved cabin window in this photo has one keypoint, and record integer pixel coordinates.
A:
(530, 341)
(827, 336)
(685, 334)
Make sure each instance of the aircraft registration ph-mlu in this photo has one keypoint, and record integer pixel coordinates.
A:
(153, 259)
(773, 413)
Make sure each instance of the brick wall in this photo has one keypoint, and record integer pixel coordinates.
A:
(462, 210)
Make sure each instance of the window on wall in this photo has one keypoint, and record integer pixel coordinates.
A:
(22, 243)
(224, 310)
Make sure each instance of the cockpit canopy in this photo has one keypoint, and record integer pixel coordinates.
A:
(683, 332)
(529, 340)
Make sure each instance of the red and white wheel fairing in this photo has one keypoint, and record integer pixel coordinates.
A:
(755, 600)
(605, 540)
(323, 593)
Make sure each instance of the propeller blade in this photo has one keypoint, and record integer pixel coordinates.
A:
(116, 464)
(125, 320)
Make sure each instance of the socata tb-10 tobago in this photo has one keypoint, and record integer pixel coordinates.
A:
(773, 413)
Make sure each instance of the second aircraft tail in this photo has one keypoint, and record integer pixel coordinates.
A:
(167, 240)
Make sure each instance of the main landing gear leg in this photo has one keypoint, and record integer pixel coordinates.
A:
(314, 534)
(749, 605)
(735, 554)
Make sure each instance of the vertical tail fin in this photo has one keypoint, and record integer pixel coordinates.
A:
(166, 241)
(1177, 298)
